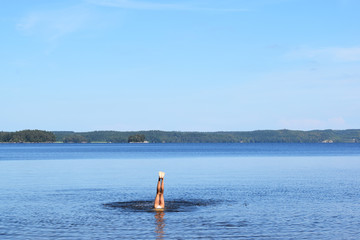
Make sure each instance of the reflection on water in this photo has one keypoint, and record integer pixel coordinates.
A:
(160, 224)
(171, 206)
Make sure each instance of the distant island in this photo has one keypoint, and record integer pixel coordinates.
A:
(259, 136)
(27, 136)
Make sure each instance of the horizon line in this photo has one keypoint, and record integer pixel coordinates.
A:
(283, 129)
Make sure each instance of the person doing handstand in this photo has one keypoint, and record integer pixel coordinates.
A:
(159, 203)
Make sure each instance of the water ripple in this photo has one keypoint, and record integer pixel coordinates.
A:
(171, 206)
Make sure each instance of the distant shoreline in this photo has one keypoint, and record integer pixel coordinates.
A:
(61, 143)
(156, 136)
(258, 136)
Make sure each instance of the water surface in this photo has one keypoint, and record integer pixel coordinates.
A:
(213, 191)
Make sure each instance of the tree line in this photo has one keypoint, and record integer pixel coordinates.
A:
(27, 136)
(259, 136)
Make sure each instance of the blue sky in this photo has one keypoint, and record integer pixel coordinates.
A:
(228, 65)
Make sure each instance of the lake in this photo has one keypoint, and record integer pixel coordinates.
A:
(212, 191)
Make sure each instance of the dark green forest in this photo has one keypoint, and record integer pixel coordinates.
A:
(259, 136)
(27, 136)
(137, 138)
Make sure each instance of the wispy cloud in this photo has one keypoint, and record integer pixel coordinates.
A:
(136, 4)
(142, 5)
(339, 54)
(53, 24)
(309, 124)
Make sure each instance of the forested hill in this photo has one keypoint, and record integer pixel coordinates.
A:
(27, 136)
(260, 136)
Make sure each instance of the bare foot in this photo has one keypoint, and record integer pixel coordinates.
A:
(161, 175)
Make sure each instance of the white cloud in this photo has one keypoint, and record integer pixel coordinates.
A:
(338, 54)
(310, 124)
(142, 5)
(53, 24)
(136, 4)
(345, 54)
(338, 121)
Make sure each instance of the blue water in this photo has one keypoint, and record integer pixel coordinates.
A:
(212, 191)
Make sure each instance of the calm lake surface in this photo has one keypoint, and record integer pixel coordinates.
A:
(212, 191)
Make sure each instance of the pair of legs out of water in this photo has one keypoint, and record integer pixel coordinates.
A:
(159, 202)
